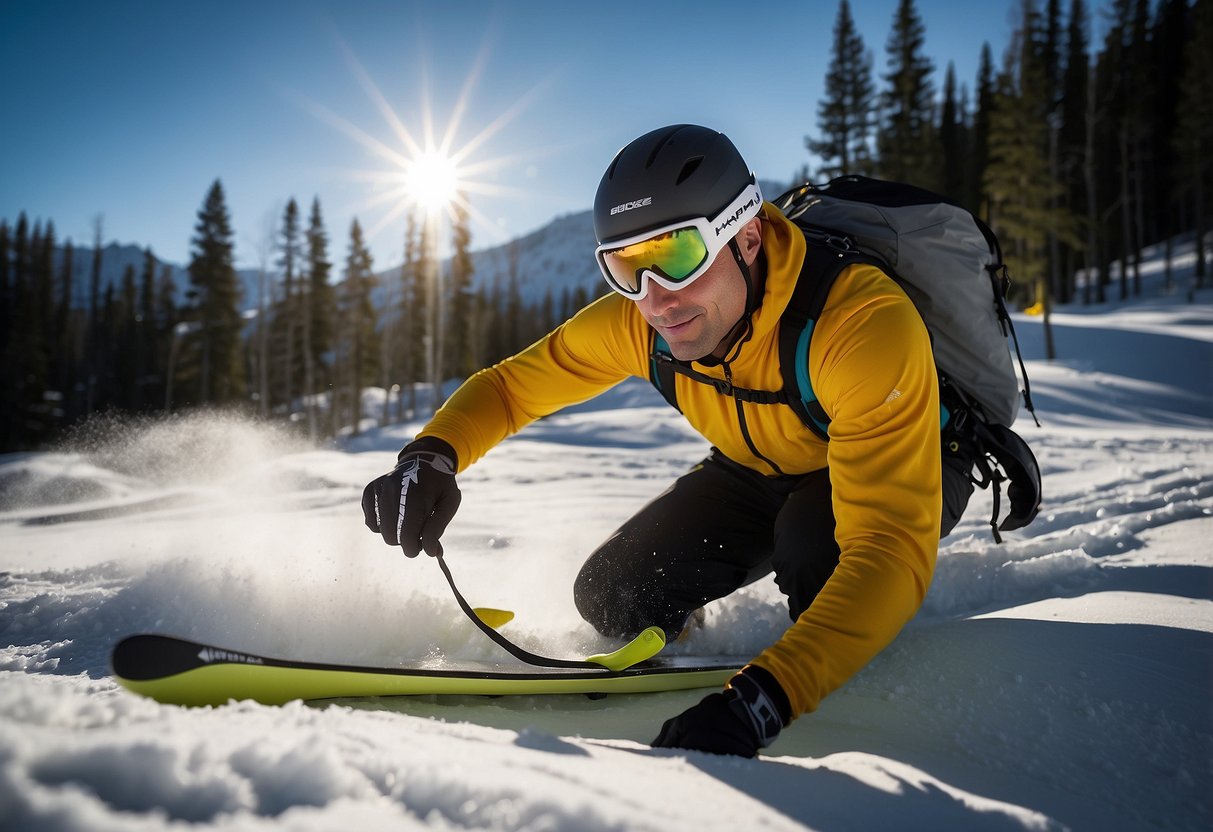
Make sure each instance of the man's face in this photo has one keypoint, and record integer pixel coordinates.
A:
(695, 319)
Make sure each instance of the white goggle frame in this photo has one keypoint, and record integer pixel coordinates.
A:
(715, 233)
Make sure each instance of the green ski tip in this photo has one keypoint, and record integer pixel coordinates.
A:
(645, 646)
(494, 618)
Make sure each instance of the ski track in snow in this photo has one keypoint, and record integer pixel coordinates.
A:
(1061, 679)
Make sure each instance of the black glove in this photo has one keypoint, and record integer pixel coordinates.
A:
(412, 505)
(746, 716)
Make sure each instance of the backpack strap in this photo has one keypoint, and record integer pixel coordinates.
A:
(664, 367)
(826, 255)
(661, 369)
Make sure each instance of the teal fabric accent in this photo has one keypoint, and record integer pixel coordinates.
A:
(659, 346)
(803, 383)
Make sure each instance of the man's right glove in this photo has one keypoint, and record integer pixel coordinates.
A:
(746, 716)
(412, 504)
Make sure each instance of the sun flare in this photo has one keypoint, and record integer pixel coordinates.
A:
(427, 171)
(432, 181)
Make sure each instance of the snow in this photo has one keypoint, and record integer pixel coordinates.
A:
(1060, 680)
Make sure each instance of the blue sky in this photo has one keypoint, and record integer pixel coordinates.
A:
(131, 109)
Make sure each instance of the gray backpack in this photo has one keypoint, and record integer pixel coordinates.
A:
(950, 265)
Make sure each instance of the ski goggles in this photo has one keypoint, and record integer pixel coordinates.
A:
(675, 255)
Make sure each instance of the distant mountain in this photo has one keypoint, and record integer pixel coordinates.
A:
(558, 256)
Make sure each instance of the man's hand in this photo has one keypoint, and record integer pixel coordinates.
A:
(412, 504)
(746, 716)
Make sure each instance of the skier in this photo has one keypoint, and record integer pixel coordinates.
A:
(850, 527)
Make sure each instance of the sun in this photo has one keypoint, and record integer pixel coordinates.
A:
(431, 181)
(429, 173)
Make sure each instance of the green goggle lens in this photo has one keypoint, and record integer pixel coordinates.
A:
(674, 255)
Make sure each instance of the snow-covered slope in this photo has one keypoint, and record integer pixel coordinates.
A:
(1059, 680)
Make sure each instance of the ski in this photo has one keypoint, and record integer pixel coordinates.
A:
(183, 672)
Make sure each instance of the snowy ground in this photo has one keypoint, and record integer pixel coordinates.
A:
(1062, 679)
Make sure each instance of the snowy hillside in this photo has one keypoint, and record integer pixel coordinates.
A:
(1061, 680)
(556, 258)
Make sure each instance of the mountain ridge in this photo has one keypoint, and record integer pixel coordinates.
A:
(555, 258)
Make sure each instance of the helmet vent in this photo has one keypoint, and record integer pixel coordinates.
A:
(660, 145)
(688, 168)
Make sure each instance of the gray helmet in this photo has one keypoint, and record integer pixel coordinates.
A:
(676, 173)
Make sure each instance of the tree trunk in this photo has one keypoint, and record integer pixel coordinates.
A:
(1126, 229)
(263, 348)
(1168, 280)
(1046, 302)
(309, 370)
(1093, 259)
(434, 312)
(1138, 216)
(1055, 284)
(1198, 194)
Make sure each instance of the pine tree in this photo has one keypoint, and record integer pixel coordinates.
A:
(844, 117)
(952, 142)
(1044, 39)
(1072, 141)
(980, 154)
(1111, 163)
(318, 321)
(23, 352)
(8, 311)
(1167, 42)
(166, 317)
(125, 342)
(289, 310)
(463, 360)
(515, 336)
(411, 319)
(107, 339)
(905, 139)
(1050, 53)
(220, 369)
(1194, 130)
(496, 344)
(429, 306)
(91, 338)
(8, 403)
(1022, 193)
(5, 287)
(1139, 128)
(148, 356)
(44, 283)
(43, 398)
(359, 312)
(66, 353)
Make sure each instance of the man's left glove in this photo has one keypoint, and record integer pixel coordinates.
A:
(746, 716)
(412, 504)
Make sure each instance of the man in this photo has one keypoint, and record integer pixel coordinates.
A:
(850, 527)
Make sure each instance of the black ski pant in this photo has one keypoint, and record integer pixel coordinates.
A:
(719, 527)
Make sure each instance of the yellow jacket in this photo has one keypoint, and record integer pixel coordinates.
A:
(873, 372)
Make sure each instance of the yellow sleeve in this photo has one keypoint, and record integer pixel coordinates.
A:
(874, 374)
(591, 352)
